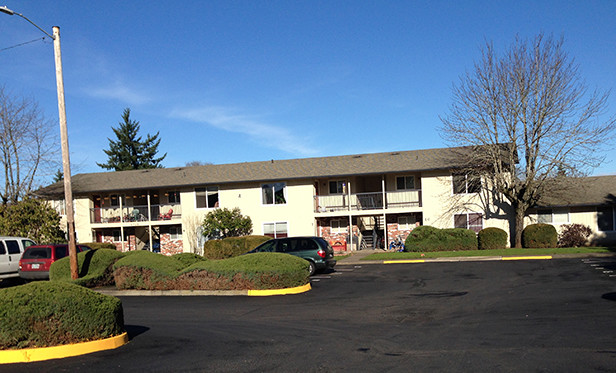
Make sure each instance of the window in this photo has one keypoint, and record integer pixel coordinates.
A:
(605, 218)
(174, 197)
(405, 182)
(274, 194)
(463, 183)
(207, 198)
(406, 222)
(338, 226)
(115, 200)
(275, 230)
(12, 246)
(175, 233)
(472, 221)
(337, 187)
(116, 236)
(549, 216)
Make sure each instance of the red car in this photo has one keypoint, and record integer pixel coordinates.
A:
(36, 260)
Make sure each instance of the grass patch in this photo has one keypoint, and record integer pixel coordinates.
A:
(500, 252)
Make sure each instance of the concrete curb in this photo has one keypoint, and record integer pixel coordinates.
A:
(185, 293)
(358, 261)
(28, 355)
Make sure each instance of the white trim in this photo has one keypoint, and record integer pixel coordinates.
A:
(275, 223)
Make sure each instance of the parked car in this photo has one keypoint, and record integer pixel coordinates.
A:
(36, 260)
(11, 249)
(315, 250)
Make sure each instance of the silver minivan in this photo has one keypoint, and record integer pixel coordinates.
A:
(11, 249)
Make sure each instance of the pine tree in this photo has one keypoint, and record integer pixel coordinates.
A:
(129, 152)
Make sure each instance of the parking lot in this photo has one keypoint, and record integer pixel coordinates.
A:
(541, 315)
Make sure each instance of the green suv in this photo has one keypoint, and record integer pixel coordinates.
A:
(314, 249)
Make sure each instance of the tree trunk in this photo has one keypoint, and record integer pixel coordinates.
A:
(518, 224)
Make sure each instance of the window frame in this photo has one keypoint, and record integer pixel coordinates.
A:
(206, 196)
(340, 186)
(410, 222)
(175, 233)
(272, 187)
(551, 216)
(464, 183)
(612, 213)
(404, 182)
(342, 226)
(468, 221)
(173, 196)
(275, 230)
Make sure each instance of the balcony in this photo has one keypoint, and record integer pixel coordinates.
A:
(135, 214)
(368, 201)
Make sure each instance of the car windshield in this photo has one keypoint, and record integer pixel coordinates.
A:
(37, 253)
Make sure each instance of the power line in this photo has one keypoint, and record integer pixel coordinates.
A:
(21, 44)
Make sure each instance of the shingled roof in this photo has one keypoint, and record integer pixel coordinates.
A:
(289, 169)
(586, 191)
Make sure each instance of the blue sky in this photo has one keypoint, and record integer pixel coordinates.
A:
(238, 81)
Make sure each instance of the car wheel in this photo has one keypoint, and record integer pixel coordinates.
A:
(311, 268)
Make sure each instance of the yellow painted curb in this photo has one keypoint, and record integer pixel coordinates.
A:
(526, 257)
(404, 261)
(265, 293)
(57, 352)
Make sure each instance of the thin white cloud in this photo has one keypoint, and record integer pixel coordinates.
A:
(120, 92)
(267, 134)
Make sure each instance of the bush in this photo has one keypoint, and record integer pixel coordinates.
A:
(231, 246)
(99, 245)
(426, 238)
(492, 239)
(254, 271)
(187, 259)
(573, 235)
(95, 268)
(43, 313)
(146, 270)
(539, 236)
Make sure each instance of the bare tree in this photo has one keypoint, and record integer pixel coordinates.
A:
(27, 146)
(531, 120)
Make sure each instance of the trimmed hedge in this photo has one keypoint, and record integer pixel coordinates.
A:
(44, 313)
(254, 271)
(146, 270)
(231, 246)
(426, 238)
(95, 268)
(539, 236)
(187, 259)
(492, 238)
(99, 245)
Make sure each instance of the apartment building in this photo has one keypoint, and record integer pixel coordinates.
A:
(353, 201)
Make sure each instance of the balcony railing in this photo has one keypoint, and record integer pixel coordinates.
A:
(132, 214)
(368, 201)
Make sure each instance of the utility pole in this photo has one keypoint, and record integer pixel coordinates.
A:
(66, 161)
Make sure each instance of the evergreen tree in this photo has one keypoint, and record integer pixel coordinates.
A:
(129, 152)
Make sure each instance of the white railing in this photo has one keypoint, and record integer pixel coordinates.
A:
(132, 214)
(368, 201)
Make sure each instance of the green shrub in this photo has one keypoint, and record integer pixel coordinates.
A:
(95, 268)
(188, 259)
(539, 236)
(146, 270)
(231, 246)
(573, 235)
(426, 238)
(99, 245)
(492, 239)
(45, 313)
(254, 271)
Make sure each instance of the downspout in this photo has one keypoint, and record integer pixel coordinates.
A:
(121, 222)
(385, 232)
(150, 244)
(350, 238)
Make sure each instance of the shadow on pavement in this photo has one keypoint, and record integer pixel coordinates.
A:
(135, 330)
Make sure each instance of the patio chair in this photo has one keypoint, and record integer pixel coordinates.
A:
(166, 216)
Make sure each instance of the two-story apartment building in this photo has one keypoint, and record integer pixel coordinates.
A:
(353, 201)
